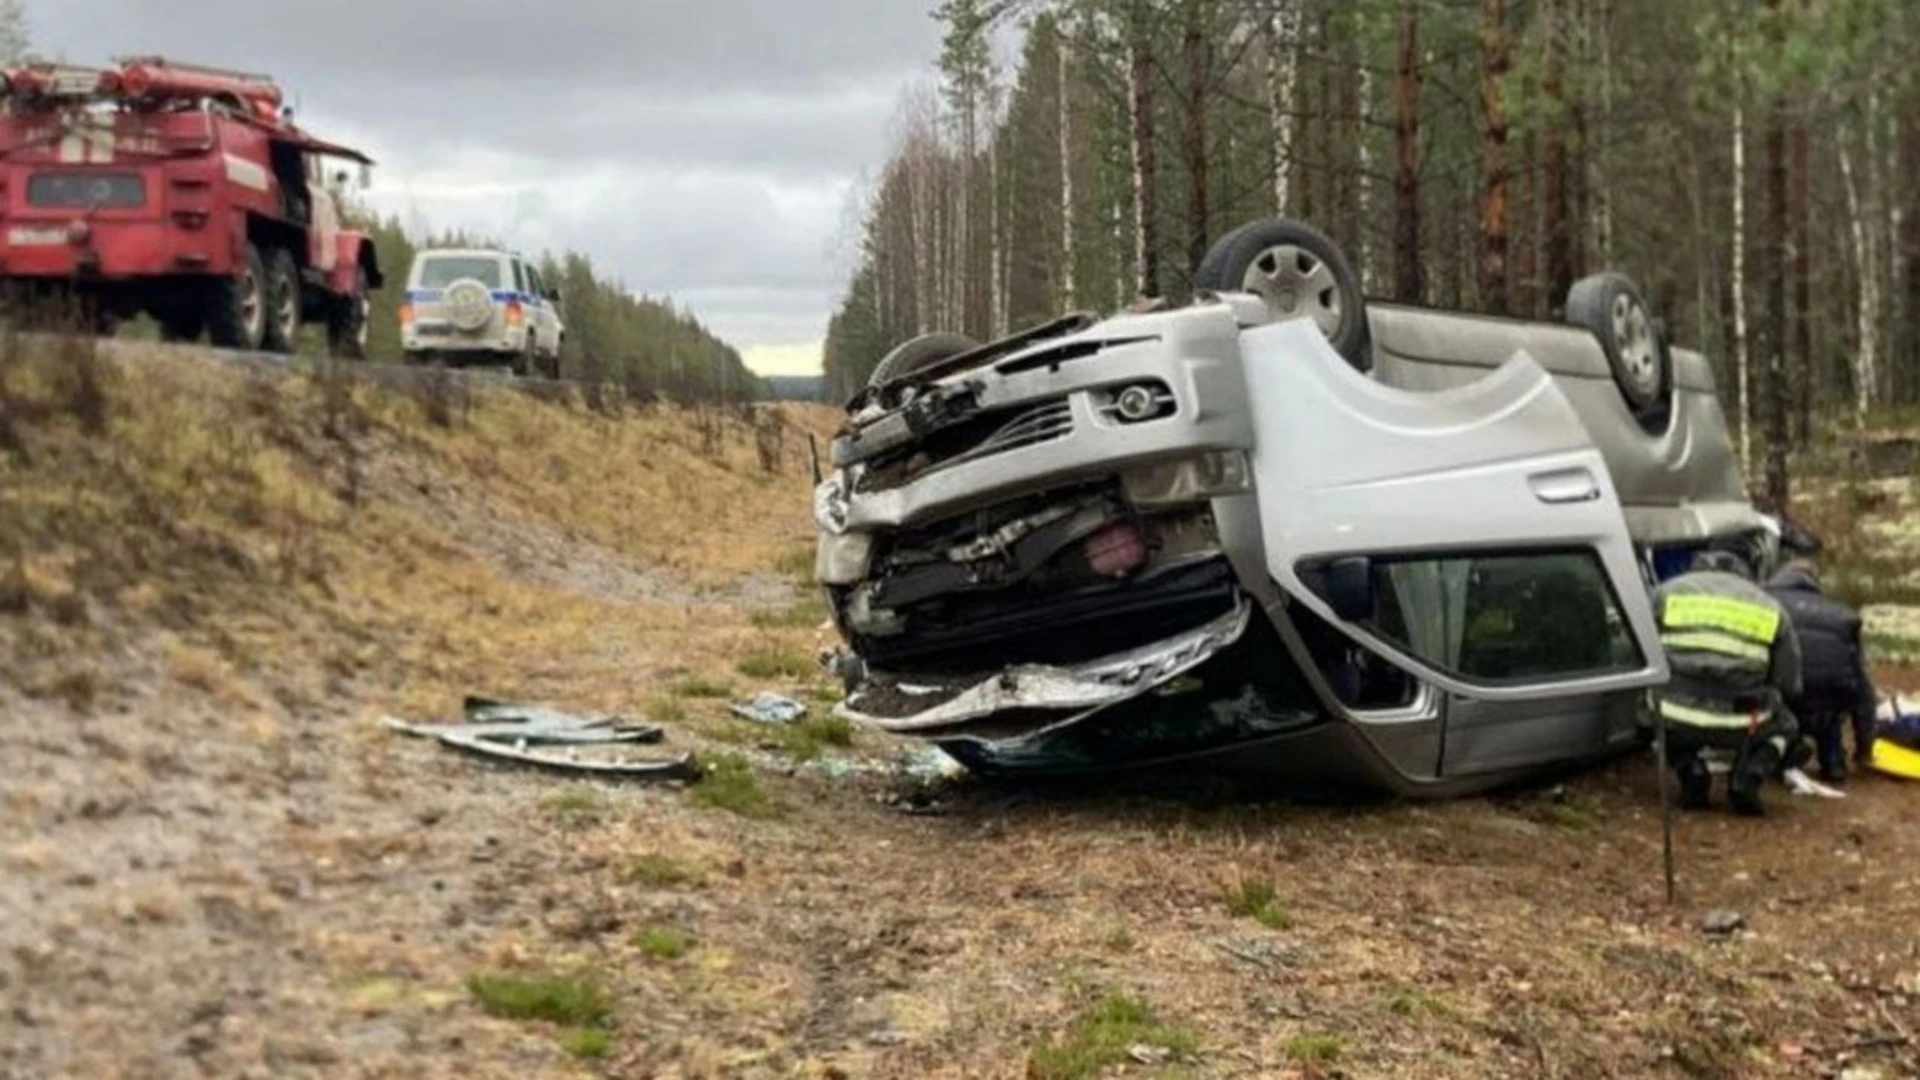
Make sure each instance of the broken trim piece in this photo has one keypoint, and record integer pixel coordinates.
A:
(511, 733)
(1075, 690)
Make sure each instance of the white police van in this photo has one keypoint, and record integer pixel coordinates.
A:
(478, 306)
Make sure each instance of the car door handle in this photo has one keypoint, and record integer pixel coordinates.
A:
(1576, 485)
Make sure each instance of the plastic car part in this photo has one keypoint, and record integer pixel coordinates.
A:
(1635, 343)
(918, 353)
(1299, 272)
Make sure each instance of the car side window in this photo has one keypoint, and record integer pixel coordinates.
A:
(535, 285)
(519, 276)
(1505, 618)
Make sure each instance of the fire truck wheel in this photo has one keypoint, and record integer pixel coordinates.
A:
(237, 315)
(283, 302)
(347, 322)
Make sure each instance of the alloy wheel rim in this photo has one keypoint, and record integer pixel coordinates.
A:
(1295, 283)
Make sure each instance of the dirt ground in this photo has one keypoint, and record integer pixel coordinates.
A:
(214, 863)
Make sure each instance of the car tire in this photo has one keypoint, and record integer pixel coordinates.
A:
(526, 363)
(237, 313)
(283, 302)
(468, 305)
(347, 321)
(918, 354)
(1299, 272)
(1634, 341)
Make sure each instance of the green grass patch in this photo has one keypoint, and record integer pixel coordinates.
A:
(1569, 819)
(1883, 645)
(797, 562)
(1120, 941)
(656, 871)
(666, 711)
(812, 736)
(573, 1002)
(587, 1043)
(729, 783)
(576, 807)
(696, 687)
(1408, 1001)
(1101, 1037)
(1256, 900)
(1315, 1049)
(776, 665)
(804, 615)
(662, 943)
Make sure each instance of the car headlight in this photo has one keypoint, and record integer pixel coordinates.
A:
(1188, 480)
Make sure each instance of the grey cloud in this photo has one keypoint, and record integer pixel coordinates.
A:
(707, 150)
(660, 44)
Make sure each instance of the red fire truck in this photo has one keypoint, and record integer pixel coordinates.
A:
(183, 192)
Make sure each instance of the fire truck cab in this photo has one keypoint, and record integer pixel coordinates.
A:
(182, 192)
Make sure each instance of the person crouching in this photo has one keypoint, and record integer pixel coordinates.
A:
(1736, 663)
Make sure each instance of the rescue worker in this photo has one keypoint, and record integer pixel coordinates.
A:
(1833, 670)
(1736, 662)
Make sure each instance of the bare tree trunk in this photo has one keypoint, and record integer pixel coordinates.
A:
(1909, 271)
(1742, 360)
(1361, 241)
(997, 249)
(1600, 158)
(1069, 252)
(1778, 255)
(1799, 210)
(1494, 209)
(1410, 274)
(1146, 194)
(1556, 223)
(1526, 275)
(1281, 29)
(1866, 355)
(1199, 213)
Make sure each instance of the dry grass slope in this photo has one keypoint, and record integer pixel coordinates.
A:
(298, 532)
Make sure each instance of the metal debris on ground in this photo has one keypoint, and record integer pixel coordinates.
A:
(551, 739)
(770, 709)
(1723, 923)
(1802, 784)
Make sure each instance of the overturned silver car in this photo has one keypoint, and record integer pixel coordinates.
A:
(1281, 533)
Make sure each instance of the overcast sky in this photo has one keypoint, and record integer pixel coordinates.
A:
(711, 150)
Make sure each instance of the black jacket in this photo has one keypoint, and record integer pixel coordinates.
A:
(1833, 663)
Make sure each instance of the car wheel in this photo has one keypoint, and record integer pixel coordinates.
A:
(1635, 343)
(283, 302)
(237, 316)
(347, 321)
(919, 354)
(1299, 272)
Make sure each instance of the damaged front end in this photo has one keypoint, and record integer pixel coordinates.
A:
(1020, 546)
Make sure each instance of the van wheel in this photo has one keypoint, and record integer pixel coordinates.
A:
(918, 354)
(283, 302)
(1300, 272)
(1635, 343)
(237, 315)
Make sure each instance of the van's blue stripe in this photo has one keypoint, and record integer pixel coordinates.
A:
(502, 296)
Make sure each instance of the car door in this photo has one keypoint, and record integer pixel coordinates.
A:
(1472, 537)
